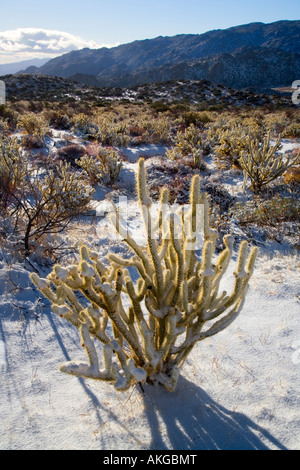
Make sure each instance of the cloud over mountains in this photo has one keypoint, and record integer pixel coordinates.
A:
(26, 43)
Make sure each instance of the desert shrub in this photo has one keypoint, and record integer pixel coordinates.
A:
(59, 120)
(292, 130)
(268, 212)
(292, 175)
(229, 139)
(31, 142)
(262, 163)
(160, 107)
(71, 153)
(198, 119)
(83, 126)
(188, 142)
(12, 170)
(112, 133)
(276, 123)
(104, 167)
(35, 126)
(3, 126)
(45, 204)
(159, 130)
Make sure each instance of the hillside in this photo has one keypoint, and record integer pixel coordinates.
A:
(256, 55)
(200, 92)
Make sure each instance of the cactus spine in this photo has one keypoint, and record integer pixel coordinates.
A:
(175, 303)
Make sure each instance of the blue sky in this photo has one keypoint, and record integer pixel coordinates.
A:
(94, 23)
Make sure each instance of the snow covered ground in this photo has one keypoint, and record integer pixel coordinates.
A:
(238, 390)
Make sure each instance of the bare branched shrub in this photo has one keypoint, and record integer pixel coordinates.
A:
(46, 203)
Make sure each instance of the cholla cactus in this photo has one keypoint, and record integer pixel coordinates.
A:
(189, 142)
(34, 125)
(262, 163)
(103, 168)
(111, 133)
(148, 329)
(83, 126)
(229, 140)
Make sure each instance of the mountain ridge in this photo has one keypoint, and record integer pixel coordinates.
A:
(192, 56)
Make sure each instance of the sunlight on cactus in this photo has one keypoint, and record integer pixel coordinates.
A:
(148, 328)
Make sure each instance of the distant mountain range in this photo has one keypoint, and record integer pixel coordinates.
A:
(15, 67)
(256, 56)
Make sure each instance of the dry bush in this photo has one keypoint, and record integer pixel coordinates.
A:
(71, 153)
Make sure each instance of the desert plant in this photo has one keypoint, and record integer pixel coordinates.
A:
(292, 130)
(149, 329)
(46, 204)
(83, 126)
(12, 169)
(35, 126)
(268, 212)
(111, 133)
(292, 175)
(186, 143)
(3, 126)
(104, 167)
(70, 153)
(262, 163)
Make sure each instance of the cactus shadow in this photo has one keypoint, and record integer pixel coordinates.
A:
(189, 419)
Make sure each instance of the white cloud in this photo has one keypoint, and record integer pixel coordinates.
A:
(26, 43)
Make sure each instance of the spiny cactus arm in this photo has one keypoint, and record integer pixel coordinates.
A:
(242, 276)
(179, 264)
(173, 330)
(91, 370)
(132, 262)
(67, 313)
(222, 262)
(180, 353)
(124, 379)
(123, 232)
(163, 202)
(142, 189)
(206, 275)
(122, 376)
(153, 250)
(96, 322)
(43, 286)
(225, 321)
(209, 233)
(152, 356)
(151, 227)
(191, 225)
